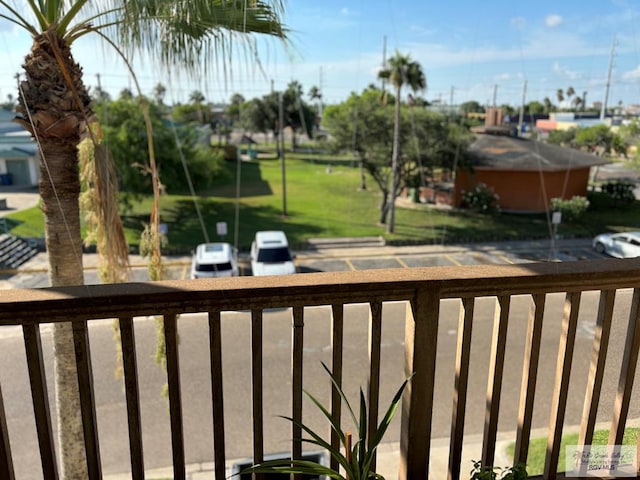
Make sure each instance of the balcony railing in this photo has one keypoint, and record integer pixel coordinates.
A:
(423, 290)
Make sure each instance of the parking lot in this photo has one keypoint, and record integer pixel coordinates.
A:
(327, 260)
(33, 274)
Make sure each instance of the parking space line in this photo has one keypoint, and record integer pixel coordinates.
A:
(452, 260)
(401, 262)
(505, 259)
(349, 264)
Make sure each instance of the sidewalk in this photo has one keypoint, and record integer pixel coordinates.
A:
(387, 462)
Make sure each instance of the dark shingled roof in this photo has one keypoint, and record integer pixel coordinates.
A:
(512, 153)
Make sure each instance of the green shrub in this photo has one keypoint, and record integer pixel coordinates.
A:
(621, 192)
(480, 472)
(481, 199)
(572, 210)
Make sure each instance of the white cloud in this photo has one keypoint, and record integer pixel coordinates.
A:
(553, 20)
(519, 23)
(633, 74)
(422, 31)
(565, 72)
(345, 11)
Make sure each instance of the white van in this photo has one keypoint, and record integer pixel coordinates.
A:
(214, 260)
(270, 254)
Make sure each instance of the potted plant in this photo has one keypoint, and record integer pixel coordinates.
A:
(357, 459)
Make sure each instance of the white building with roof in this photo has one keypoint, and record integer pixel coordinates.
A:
(19, 154)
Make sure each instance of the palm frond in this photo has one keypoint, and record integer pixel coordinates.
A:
(17, 19)
(195, 33)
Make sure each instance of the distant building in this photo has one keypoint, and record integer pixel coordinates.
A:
(19, 155)
(569, 120)
(526, 174)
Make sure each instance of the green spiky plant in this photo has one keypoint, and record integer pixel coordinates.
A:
(357, 460)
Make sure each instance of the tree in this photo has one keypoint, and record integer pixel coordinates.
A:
(125, 132)
(364, 126)
(55, 107)
(560, 95)
(159, 91)
(576, 102)
(235, 107)
(401, 71)
(196, 97)
(472, 106)
(262, 115)
(594, 138)
(570, 93)
(534, 107)
(316, 94)
(548, 106)
(299, 116)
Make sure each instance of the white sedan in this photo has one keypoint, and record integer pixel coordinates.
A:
(619, 245)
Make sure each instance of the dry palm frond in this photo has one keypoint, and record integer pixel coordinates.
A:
(99, 201)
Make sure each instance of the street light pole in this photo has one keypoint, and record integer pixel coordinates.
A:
(282, 162)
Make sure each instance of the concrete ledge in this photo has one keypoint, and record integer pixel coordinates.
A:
(346, 242)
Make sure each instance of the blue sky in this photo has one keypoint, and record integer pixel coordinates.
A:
(466, 49)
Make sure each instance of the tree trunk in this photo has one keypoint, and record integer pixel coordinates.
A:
(56, 113)
(394, 164)
(384, 207)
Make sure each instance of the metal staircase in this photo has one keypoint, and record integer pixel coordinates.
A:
(14, 251)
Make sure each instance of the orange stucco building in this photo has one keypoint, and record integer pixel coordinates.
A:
(525, 174)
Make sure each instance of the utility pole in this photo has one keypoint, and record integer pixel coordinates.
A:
(521, 117)
(603, 110)
(282, 162)
(495, 94)
(384, 61)
(320, 105)
(451, 101)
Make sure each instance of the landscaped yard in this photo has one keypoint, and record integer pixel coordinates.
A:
(328, 204)
(538, 448)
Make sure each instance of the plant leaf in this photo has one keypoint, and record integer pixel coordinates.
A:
(342, 394)
(334, 425)
(285, 465)
(384, 423)
(318, 440)
(363, 430)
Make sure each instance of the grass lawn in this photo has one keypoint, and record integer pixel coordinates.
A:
(322, 204)
(538, 448)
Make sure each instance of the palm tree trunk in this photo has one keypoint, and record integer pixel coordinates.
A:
(54, 106)
(394, 164)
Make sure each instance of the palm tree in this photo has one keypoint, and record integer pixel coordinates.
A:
(401, 71)
(159, 91)
(316, 94)
(55, 107)
(560, 95)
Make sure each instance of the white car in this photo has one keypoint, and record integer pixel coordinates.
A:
(214, 260)
(619, 245)
(270, 254)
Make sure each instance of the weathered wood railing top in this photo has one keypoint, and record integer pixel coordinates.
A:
(183, 296)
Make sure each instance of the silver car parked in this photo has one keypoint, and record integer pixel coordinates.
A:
(619, 245)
